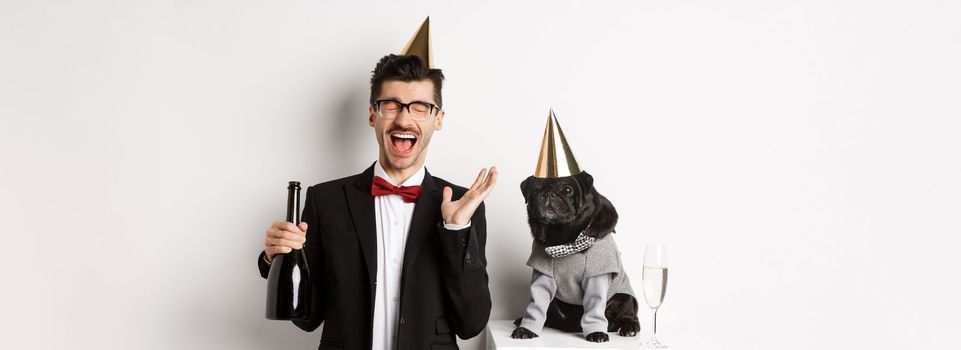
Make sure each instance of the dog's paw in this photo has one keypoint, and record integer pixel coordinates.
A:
(597, 337)
(629, 329)
(523, 333)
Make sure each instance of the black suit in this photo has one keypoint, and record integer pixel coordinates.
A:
(444, 287)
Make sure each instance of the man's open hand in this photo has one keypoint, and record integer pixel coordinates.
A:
(460, 211)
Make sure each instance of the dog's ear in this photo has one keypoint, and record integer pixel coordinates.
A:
(605, 218)
(585, 180)
(526, 188)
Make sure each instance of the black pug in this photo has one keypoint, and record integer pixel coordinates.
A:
(559, 211)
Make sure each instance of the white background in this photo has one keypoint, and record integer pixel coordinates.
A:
(800, 159)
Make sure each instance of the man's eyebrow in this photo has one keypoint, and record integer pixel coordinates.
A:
(398, 100)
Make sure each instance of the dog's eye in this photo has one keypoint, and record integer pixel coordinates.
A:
(568, 189)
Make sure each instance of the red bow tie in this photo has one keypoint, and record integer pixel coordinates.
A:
(381, 187)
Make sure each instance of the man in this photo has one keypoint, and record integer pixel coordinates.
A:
(391, 269)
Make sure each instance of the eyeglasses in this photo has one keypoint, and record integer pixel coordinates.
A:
(418, 110)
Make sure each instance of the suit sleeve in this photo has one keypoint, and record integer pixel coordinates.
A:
(464, 271)
(314, 251)
(263, 265)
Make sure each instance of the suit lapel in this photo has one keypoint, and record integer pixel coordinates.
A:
(422, 223)
(361, 204)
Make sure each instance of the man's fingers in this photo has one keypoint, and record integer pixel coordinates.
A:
(482, 186)
(286, 244)
(447, 195)
(272, 232)
(488, 178)
(277, 242)
(491, 180)
(275, 233)
(488, 185)
(283, 237)
(287, 235)
(277, 249)
(294, 237)
(286, 226)
(480, 190)
(291, 227)
(480, 178)
(279, 225)
(280, 242)
(282, 226)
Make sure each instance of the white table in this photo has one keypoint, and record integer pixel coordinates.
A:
(499, 338)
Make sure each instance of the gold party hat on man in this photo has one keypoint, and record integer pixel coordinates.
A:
(556, 159)
(420, 46)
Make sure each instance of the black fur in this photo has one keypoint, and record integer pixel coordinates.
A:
(523, 333)
(557, 211)
(597, 337)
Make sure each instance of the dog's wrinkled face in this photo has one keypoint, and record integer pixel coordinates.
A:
(554, 201)
(559, 208)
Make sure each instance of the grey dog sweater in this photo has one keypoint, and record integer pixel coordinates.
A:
(587, 278)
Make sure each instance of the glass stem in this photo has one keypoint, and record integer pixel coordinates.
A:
(654, 335)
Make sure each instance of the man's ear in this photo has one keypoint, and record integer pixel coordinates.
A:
(439, 120)
(526, 187)
(370, 117)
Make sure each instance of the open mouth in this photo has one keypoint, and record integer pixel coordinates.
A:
(402, 143)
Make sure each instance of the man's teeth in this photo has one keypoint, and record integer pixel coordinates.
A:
(404, 136)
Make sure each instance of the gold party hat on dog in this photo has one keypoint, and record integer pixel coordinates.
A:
(420, 46)
(556, 159)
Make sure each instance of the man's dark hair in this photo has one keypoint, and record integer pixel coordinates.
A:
(405, 68)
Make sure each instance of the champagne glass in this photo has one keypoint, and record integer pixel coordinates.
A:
(655, 285)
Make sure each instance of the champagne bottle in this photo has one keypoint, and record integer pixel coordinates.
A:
(288, 282)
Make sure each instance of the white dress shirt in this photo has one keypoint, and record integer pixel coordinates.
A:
(392, 216)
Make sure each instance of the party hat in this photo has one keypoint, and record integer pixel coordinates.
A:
(556, 159)
(420, 46)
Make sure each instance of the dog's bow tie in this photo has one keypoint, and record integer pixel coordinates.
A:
(381, 187)
(581, 243)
